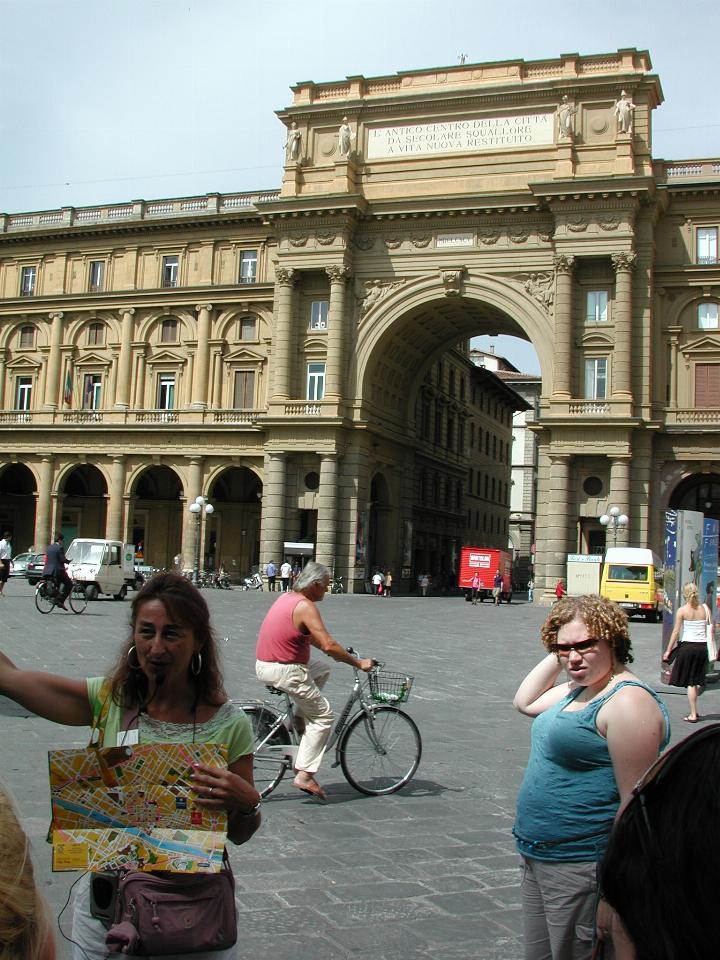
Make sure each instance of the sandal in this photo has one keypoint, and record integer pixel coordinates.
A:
(311, 787)
(690, 719)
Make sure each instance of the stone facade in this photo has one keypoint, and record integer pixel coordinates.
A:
(269, 350)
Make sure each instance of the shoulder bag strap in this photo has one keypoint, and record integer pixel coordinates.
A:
(100, 719)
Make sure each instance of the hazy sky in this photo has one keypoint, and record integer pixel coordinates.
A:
(112, 100)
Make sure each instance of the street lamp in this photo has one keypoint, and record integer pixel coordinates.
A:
(614, 520)
(201, 508)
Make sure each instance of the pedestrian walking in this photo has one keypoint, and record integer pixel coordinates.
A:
(5, 560)
(497, 588)
(424, 582)
(285, 574)
(271, 574)
(530, 590)
(387, 586)
(475, 588)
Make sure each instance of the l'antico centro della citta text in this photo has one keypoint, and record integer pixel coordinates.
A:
(482, 133)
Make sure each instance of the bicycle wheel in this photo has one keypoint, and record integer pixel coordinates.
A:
(380, 754)
(77, 598)
(270, 763)
(43, 600)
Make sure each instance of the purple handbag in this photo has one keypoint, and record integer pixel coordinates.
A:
(165, 913)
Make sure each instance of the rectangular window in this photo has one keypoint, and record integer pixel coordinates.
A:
(707, 245)
(596, 379)
(96, 334)
(170, 271)
(248, 266)
(92, 386)
(248, 328)
(28, 276)
(708, 316)
(168, 330)
(315, 381)
(244, 396)
(96, 276)
(166, 391)
(23, 393)
(319, 314)
(707, 384)
(27, 337)
(596, 306)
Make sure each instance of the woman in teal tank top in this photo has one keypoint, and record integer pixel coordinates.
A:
(593, 736)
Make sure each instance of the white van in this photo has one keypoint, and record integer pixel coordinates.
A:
(102, 566)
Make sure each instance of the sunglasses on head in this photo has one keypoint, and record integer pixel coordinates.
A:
(565, 649)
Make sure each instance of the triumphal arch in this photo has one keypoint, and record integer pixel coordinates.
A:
(421, 209)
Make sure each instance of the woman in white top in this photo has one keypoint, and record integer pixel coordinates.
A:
(691, 661)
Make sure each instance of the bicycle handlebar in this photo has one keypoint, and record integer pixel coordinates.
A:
(354, 653)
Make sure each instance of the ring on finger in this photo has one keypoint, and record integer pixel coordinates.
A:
(211, 790)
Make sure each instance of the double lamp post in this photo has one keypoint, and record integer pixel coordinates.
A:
(201, 509)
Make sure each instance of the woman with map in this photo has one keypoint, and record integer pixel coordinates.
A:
(166, 687)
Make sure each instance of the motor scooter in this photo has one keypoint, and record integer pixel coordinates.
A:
(253, 582)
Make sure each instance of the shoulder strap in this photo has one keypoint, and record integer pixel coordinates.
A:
(100, 719)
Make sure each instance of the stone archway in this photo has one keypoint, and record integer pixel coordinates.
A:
(232, 537)
(155, 521)
(701, 492)
(17, 505)
(82, 503)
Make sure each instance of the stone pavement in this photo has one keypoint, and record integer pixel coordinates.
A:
(428, 872)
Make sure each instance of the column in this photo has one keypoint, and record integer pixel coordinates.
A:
(273, 509)
(2, 385)
(673, 371)
(620, 490)
(560, 506)
(115, 505)
(284, 282)
(622, 316)
(334, 385)
(189, 522)
(52, 381)
(122, 392)
(563, 326)
(43, 506)
(642, 495)
(202, 362)
(327, 510)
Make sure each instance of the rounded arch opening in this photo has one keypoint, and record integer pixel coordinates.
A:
(17, 505)
(232, 537)
(83, 490)
(155, 521)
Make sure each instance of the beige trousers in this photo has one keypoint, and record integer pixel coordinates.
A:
(303, 683)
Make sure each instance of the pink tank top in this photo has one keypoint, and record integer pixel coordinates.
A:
(279, 640)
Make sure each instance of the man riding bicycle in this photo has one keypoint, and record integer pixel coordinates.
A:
(54, 569)
(292, 625)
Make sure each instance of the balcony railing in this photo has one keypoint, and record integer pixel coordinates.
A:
(699, 415)
(182, 417)
(212, 203)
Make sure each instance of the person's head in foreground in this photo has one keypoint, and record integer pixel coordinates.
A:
(25, 930)
(663, 853)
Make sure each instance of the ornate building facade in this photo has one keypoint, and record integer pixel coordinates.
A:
(270, 351)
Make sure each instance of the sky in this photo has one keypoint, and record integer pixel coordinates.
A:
(111, 100)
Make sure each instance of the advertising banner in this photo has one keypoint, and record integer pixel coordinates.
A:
(684, 556)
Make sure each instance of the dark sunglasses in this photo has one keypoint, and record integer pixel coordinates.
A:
(565, 649)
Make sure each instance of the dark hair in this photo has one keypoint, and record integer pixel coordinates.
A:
(603, 618)
(185, 605)
(59, 536)
(658, 861)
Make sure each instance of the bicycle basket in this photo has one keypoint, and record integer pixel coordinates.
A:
(387, 687)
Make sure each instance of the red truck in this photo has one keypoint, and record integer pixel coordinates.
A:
(485, 561)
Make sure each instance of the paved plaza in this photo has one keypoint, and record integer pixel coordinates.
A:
(428, 872)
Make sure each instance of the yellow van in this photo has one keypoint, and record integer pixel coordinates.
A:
(632, 577)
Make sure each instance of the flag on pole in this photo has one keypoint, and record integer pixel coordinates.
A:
(67, 396)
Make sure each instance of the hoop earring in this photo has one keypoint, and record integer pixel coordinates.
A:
(196, 668)
(131, 665)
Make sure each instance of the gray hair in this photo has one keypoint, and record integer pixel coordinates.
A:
(311, 573)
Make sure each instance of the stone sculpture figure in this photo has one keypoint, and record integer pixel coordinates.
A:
(566, 118)
(624, 109)
(345, 138)
(294, 143)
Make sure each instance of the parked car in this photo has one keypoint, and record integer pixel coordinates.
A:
(19, 563)
(34, 568)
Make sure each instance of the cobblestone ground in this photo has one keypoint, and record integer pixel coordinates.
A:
(428, 872)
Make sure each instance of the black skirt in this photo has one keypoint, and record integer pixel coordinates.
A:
(690, 665)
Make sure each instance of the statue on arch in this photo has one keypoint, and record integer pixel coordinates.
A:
(294, 143)
(566, 118)
(345, 138)
(624, 109)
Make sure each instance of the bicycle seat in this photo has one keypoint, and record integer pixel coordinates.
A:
(276, 691)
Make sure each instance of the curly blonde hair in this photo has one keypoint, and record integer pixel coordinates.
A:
(690, 594)
(603, 619)
(25, 932)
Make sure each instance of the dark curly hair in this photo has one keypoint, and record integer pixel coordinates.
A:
(603, 618)
(185, 605)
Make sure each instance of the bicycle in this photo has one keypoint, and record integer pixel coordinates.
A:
(378, 746)
(336, 585)
(47, 596)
